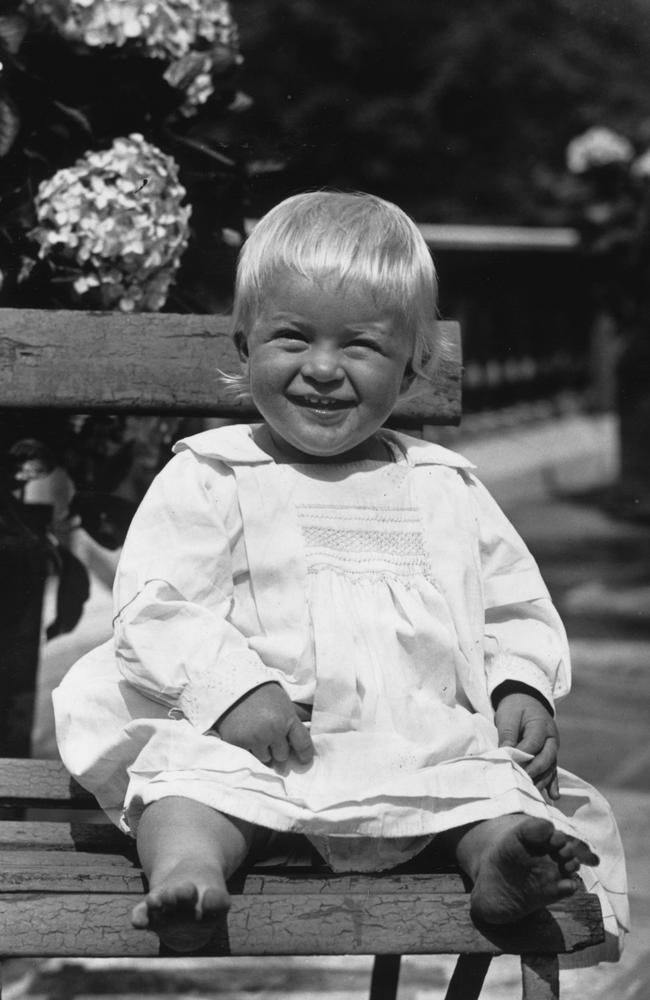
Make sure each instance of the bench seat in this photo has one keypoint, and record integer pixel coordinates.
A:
(67, 886)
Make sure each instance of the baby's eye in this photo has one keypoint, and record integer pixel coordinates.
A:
(294, 336)
(365, 344)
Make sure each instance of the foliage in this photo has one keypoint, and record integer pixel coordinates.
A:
(121, 186)
(78, 75)
(196, 36)
(456, 111)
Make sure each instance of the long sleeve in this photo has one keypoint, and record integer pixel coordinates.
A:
(524, 636)
(173, 595)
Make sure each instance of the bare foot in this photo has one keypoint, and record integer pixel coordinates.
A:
(185, 908)
(531, 865)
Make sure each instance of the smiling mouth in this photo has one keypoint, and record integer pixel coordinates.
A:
(322, 402)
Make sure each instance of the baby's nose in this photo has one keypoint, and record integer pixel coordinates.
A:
(323, 365)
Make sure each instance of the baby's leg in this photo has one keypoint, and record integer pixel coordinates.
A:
(187, 851)
(518, 865)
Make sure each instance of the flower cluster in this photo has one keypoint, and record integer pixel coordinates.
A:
(115, 222)
(610, 192)
(606, 194)
(198, 38)
(597, 147)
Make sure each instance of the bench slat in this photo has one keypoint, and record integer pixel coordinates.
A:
(36, 782)
(82, 925)
(43, 835)
(279, 882)
(50, 871)
(77, 360)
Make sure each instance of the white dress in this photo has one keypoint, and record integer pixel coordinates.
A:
(392, 597)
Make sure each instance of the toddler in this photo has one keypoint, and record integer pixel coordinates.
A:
(326, 627)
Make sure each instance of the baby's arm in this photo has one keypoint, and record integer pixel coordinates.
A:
(266, 723)
(527, 664)
(173, 638)
(525, 722)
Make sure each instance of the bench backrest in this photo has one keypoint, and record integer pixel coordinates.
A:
(157, 363)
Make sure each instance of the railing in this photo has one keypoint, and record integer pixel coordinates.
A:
(524, 299)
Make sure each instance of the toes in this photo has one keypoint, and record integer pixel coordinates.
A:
(183, 915)
(560, 842)
(140, 915)
(585, 855)
(574, 848)
(537, 834)
(213, 903)
(183, 897)
(566, 849)
(171, 904)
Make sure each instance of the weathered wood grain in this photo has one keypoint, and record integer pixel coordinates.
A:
(43, 835)
(156, 363)
(38, 870)
(31, 783)
(83, 924)
(65, 871)
(257, 880)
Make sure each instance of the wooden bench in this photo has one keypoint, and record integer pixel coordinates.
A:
(67, 887)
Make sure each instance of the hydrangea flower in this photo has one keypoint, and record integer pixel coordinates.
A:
(597, 147)
(198, 38)
(115, 222)
(641, 166)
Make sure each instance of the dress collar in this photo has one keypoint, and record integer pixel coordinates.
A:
(235, 445)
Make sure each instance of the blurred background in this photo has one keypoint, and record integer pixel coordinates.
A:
(138, 144)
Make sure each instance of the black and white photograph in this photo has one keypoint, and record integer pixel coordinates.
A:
(324, 500)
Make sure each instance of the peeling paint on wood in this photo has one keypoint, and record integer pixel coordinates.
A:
(84, 924)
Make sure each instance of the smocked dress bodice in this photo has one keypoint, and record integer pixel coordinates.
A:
(384, 652)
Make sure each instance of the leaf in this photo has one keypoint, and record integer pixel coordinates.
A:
(202, 147)
(76, 116)
(184, 70)
(13, 29)
(9, 125)
(27, 265)
(223, 58)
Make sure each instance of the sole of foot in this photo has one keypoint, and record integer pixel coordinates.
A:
(530, 866)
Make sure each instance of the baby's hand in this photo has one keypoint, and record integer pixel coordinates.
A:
(266, 723)
(523, 722)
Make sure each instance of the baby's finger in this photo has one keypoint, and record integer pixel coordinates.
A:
(300, 742)
(544, 762)
(508, 730)
(554, 787)
(262, 752)
(280, 750)
(534, 736)
(544, 780)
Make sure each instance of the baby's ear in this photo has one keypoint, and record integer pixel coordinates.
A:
(242, 346)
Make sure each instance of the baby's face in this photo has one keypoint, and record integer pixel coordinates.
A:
(326, 365)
